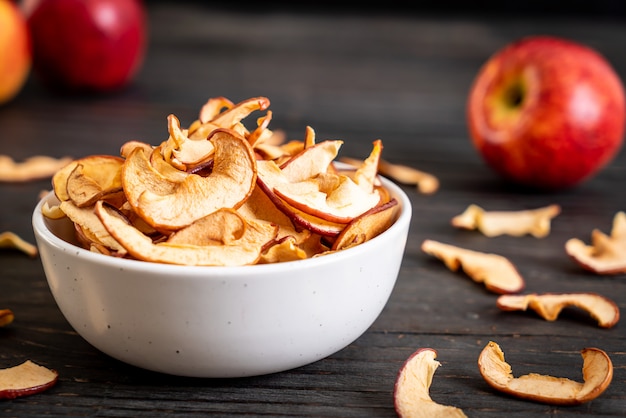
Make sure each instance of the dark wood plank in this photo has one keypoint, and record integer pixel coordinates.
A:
(403, 78)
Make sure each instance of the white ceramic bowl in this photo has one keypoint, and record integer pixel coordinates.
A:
(221, 321)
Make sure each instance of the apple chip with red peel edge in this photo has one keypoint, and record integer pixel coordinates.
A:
(129, 146)
(411, 393)
(367, 226)
(91, 226)
(606, 254)
(597, 373)
(94, 178)
(535, 222)
(261, 133)
(260, 206)
(268, 171)
(89, 178)
(496, 272)
(6, 317)
(343, 201)
(244, 251)
(25, 379)
(181, 151)
(170, 205)
(550, 305)
(231, 118)
(213, 107)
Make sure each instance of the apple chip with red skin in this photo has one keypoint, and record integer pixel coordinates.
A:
(94, 178)
(597, 375)
(305, 183)
(170, 205)
(367, 226)
(411, 393)
(25, 379)
(229, 252)
(100, 173)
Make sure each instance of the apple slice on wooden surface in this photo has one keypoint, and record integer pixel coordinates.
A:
(25, 379)
(597, 375)
(411, 393)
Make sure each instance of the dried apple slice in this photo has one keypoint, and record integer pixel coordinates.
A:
(597, 375)
(166, 204)
(335, 198)
(311, 161)
(182, 151)
(94, 178)
(535, 222)
(340, 203)
(221, 228)
(213, 107)
(367, 226)
(412, 388)
(10, 239)
(550, 305)
(91, 226)
(129, 146)
(33, 168)
(230, 118)
(25, 379)
(260, 206)
(6, 317)
(244, 251)
(606, 254)
(285, 249)
(496, 272)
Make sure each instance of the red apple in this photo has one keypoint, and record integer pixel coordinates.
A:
(546, 112)
(87, 45)
(15, 51)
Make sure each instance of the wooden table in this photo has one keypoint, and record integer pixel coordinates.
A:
(401, 78)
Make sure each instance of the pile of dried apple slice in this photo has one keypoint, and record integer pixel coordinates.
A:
(218, 193)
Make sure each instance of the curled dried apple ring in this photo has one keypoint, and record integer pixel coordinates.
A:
(597, 375)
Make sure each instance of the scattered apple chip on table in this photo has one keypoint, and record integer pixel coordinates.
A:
(25, 379)
(412, 388)
(550, 305)
(496, 272)
(606, 254)
(535, 222)
(33, 168)
(10, 239)
(597, 375)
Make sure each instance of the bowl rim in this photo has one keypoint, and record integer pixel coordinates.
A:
(43, 232)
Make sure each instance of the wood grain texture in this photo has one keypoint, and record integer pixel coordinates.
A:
(402, 78)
